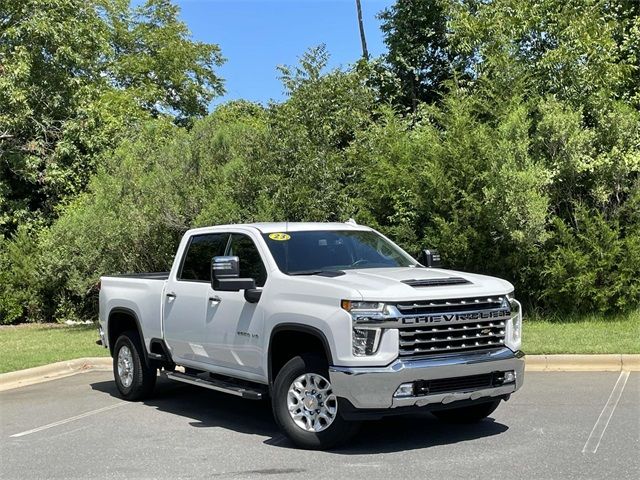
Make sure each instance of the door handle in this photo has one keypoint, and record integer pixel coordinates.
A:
(171, 295)
(215, 299)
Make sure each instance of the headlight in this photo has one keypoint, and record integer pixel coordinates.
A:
(362, 307)
(513, 333)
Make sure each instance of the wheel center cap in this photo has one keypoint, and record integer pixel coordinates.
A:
(310, 402)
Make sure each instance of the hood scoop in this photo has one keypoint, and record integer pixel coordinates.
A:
(436, 282)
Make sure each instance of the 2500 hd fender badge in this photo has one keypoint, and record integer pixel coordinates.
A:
(456, 317)
(247, 334)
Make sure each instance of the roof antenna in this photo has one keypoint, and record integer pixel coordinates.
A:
(351, 221)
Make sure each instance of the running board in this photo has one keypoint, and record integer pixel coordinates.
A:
(218, 385)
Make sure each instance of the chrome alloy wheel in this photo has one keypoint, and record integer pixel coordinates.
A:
(311, 402)
(125, 366)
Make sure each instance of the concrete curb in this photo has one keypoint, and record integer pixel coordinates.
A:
(534, 363)
(53, 371)
(583, 363)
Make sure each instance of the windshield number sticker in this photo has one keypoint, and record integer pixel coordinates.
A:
(280, 237)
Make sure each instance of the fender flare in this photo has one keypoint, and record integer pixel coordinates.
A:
(297, 327)
(132, 314)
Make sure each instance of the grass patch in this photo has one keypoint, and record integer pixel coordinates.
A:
(595, 333)
(31, 345)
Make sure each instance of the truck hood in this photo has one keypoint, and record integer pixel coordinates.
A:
(389, 284)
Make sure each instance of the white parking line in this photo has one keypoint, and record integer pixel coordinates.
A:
(593, 442)
(67, 420)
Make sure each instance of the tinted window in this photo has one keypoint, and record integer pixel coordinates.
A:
(308, 252)
(251, 265)
(202, 248)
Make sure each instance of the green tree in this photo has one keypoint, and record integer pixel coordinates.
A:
(156, 60)
(596, 265)
(583, 51)
(75, 76)
(415, 33)
(521, 160)
(241, 163)
(305, 167)
(146, 193)
(579, 51)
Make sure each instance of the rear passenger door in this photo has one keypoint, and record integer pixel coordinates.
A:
(235, 326)
(186, 296)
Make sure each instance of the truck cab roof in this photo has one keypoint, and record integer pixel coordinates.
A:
(273, 227)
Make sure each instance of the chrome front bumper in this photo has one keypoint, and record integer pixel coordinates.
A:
(374, 388)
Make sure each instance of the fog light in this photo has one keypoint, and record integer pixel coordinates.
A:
(509, 376)
(404, 390)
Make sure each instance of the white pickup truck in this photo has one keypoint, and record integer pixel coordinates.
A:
(332, 321)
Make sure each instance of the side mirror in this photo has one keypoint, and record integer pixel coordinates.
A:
(430, 258)
(225, 275)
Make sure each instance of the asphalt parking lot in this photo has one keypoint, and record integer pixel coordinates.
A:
(560, 425)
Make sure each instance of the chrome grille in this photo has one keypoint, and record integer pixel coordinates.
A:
(452, 326)
(458, 305)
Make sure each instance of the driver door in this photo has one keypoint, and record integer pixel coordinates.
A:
(235, 326)
(186, 299)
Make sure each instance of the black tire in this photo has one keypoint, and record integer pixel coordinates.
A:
(469, 414)
(144, 377)
(336, 433)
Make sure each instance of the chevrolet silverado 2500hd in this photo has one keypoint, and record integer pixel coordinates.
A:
(333, 321)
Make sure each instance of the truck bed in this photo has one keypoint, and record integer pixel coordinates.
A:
(140, 293)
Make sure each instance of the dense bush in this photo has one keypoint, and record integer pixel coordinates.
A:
(594, 266)
(20, 281)
(506, 167)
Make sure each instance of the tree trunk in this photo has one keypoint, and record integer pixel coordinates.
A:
(363, 40)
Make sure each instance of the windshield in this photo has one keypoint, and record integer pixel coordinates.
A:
(299, 253)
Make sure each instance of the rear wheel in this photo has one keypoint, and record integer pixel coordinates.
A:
(470, 414)
(134, 379)
(305, 407)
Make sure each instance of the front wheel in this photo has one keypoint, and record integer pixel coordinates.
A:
(470, 414)
(134, 379)
(305, 407)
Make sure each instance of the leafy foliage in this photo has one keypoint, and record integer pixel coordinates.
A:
(75, 76)
(20, 280)
(419, 54)
(595, 265)
(519, 154)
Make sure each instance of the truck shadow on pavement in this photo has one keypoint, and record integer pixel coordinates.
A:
(212, 409)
